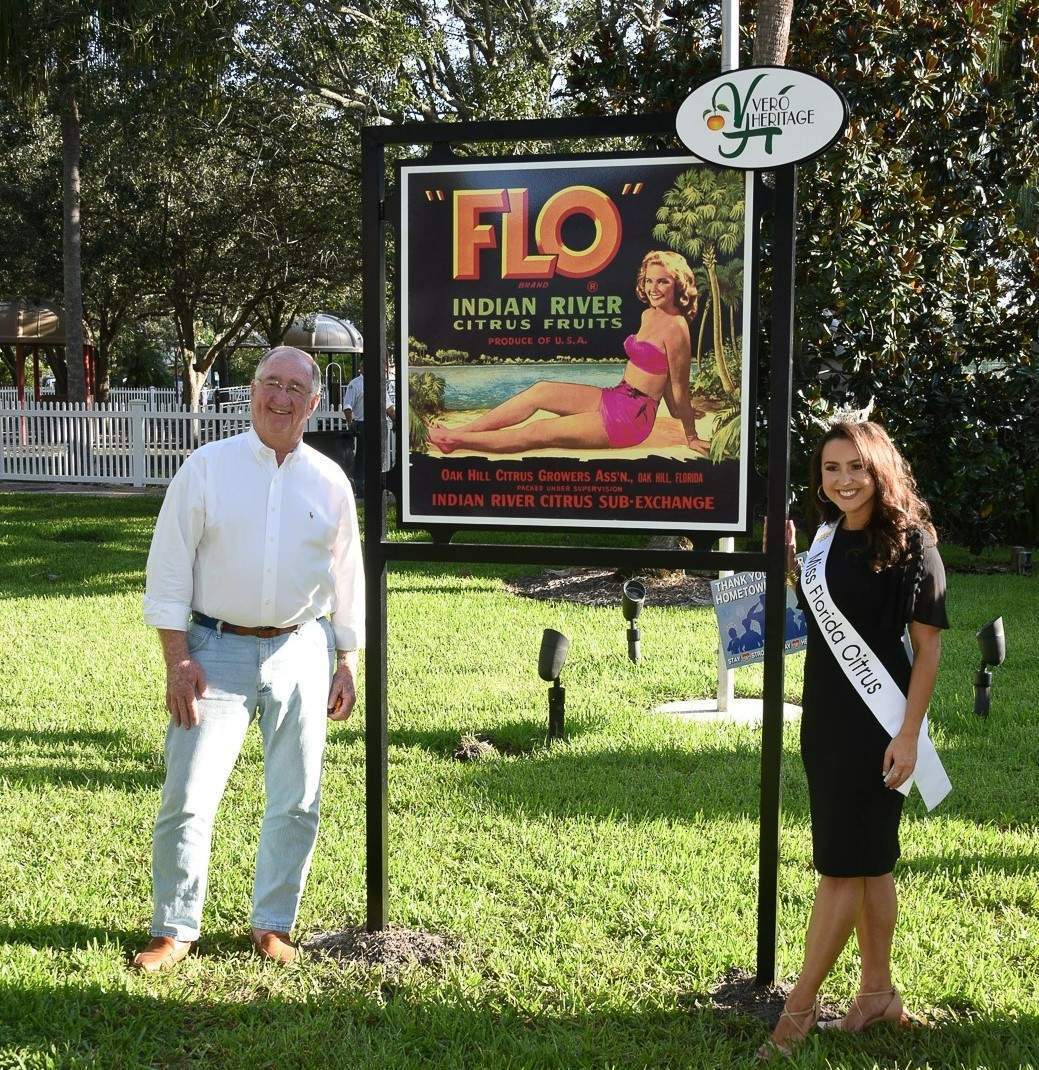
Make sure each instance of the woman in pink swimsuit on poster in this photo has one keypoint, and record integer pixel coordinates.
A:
(590, 417)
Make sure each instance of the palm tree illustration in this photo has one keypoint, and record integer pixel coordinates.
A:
(702, 217)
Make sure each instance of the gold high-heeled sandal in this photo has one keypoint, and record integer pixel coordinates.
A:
(893, 1012)
(786, 1047)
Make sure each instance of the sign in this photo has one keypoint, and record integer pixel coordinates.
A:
(758, 118)
(574, 344)
(739, 605)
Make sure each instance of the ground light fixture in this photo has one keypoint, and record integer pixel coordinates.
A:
(633, 596)
(551, 659)
(993, 647)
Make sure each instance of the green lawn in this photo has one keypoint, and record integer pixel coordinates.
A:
(594, 887)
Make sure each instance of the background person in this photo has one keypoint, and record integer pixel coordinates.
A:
(882, 570)
(256, 586)
(591, 417)
(353, 410)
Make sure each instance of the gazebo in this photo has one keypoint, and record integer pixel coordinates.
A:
(321, 332)
(29, 329)
(325, 333)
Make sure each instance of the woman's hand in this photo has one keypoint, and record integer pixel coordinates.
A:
(899, 760)
(697, 444)
(791, 542)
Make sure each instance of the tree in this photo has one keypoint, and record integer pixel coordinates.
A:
(248, 211)
(30, 207)
(772, 31)
(139, 356)
(53, 53)
(408, 59)
(45, 52)
(121, 264)
(916, 261)
(702, 217)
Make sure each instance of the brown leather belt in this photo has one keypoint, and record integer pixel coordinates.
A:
(220, 626)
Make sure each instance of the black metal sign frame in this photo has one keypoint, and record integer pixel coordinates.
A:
(379, 551)
(433, 169)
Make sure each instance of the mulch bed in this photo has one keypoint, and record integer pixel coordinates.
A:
(735, 995)
(393, 948)
(474, 749)
(602, 587)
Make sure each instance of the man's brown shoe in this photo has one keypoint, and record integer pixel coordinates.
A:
(162, 953)
(274, 946)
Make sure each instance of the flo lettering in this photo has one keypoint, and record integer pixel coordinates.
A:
(472, 233)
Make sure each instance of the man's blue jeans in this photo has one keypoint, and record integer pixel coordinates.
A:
(284, 682)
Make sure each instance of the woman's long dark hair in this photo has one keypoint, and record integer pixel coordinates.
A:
(898, 509)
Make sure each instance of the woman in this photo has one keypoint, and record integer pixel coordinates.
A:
(589, 417)
(873, 568)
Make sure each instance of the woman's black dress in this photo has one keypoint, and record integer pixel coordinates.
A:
(854, 816)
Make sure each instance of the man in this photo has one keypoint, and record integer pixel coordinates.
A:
(257, 541)
(391, 413)
(353, 410)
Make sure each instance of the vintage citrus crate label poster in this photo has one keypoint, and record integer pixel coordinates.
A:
(574, 344)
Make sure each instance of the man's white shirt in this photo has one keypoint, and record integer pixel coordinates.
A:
(353, 397)
(252, 543)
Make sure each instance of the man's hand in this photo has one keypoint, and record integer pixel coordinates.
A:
(185, 680)
(185, 685)
(343, 693)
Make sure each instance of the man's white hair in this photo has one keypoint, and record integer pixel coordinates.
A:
(281, 351)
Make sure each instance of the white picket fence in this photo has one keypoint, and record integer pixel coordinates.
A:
(155, 398)
(136, 446)
(152, 396)
(119, 397)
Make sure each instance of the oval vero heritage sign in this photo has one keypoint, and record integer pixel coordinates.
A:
(758, 118)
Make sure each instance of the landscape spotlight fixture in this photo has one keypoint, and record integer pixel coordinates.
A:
(633, 595)
(551, 660)
(993, 646)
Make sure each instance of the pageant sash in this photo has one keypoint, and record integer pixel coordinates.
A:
(866, 673)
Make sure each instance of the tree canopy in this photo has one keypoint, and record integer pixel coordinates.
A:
(221, 172)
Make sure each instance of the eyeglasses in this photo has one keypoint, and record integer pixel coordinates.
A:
(294, 390)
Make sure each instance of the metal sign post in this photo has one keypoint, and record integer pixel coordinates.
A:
(373, 242)
(379, 552)
(775, 567)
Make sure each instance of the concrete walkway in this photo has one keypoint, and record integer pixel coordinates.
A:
(97, 490)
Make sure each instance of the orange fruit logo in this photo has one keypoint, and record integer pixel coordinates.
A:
(715, 121)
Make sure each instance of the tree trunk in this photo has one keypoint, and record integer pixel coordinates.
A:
(772, 32)
(716, 323)
(102, 366)
(107, 328)
(184, 328)
(55, 357)
(193, 381)
(7, 355)
(71, 248)
(699, 336)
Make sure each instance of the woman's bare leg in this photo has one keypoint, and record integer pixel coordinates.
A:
(583, 430)
(835, 912)
(875, 929)
(563, 399)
